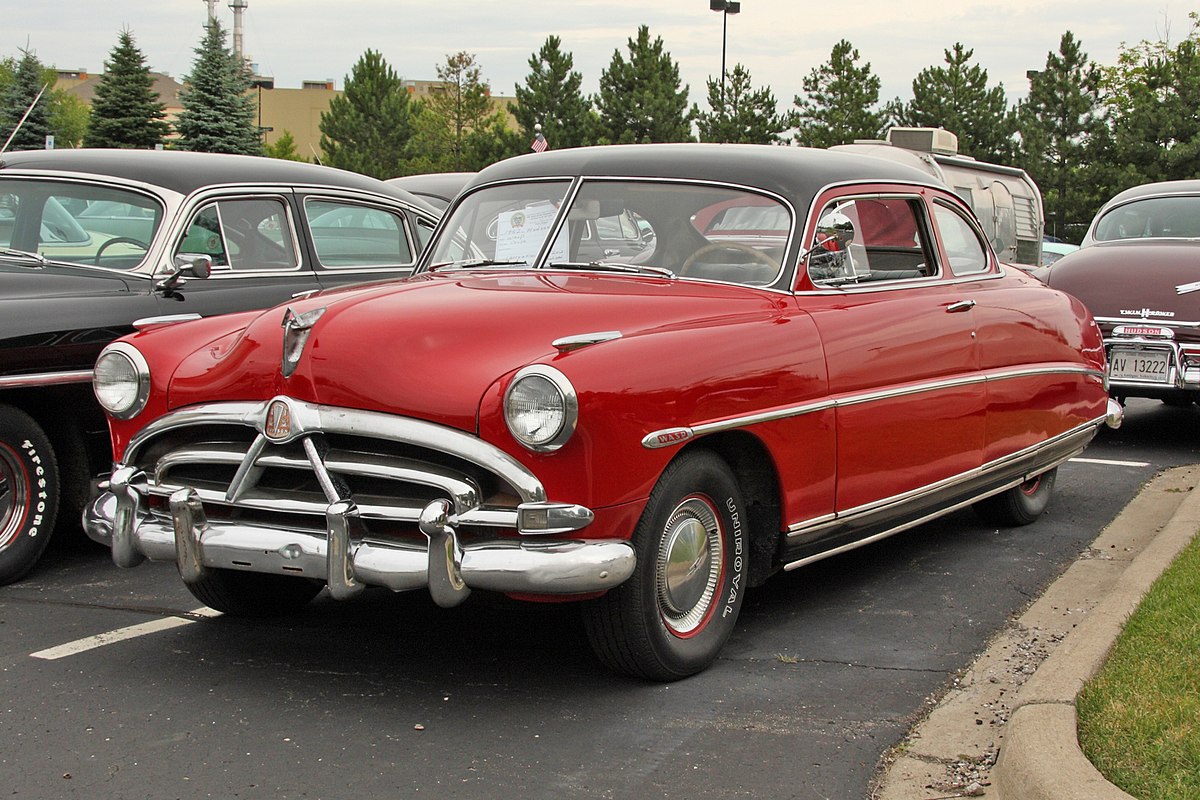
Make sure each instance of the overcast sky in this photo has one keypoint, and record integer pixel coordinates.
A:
(780, 41)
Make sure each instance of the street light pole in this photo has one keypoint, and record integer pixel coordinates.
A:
(726, 7)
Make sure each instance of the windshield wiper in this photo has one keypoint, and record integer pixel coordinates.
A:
(24, 255)
(479, 262)
(632, 269)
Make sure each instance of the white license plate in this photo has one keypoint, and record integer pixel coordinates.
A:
(1147, 366)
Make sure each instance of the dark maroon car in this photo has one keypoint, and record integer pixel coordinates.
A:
(1138, 272)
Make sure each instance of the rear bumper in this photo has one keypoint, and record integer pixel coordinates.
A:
(342, 557)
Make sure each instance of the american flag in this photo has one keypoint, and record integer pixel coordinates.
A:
(539, 143)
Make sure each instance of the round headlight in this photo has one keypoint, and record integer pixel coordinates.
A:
(541, 408)
(121, 380)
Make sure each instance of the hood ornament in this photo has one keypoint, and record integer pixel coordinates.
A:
(296, 328)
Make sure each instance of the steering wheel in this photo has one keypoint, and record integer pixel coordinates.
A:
(731, 247)
(119, 240)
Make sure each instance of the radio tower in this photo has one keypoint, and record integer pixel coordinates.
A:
(238, 7)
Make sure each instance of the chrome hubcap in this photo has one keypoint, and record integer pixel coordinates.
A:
(14, 494)
(688, 571)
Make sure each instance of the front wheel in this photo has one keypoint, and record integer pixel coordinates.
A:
(28, 493)
(1019, 505)
(252, 594)
(675, 613)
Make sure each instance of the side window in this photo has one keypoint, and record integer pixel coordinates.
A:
(864, 239)
(966, 252)
(424, 234)
(352, 235)
(245, 235)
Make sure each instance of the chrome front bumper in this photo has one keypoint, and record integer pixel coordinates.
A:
(342, 557)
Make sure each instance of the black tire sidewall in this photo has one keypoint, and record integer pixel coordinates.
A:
(696, 473)
(25, 441)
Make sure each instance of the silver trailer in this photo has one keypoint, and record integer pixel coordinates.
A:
(1005, 199)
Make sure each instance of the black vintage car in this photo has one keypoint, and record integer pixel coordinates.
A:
(94, 243)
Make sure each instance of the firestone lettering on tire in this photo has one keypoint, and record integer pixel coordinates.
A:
(735, 583)
(39, 471)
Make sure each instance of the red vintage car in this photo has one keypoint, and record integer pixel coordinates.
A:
(796, 353)
(1138, 270)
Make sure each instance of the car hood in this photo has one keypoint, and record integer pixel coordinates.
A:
(430, 347)
(1131, 279)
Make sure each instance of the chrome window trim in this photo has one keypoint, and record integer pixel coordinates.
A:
(45, 379)
(972, 223)
(414, 247)
(359, 423)
(666, 437)
(195, 203)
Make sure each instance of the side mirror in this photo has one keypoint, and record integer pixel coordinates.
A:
(187, 265)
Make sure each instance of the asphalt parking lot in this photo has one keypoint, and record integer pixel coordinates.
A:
(388, 695)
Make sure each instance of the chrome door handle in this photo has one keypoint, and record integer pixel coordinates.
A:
(961, 305)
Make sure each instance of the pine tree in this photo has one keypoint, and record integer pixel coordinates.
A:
(219, 116)
(841, 101)
(1059, 125)
(18, 97)
(126, 111)
(956, 97)
(641, 99)
(368, 127)
(551, 97)
(284, 148)
(739, 113)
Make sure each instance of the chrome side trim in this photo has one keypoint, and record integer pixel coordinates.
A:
(45, 379)
(667, 437)
(165, 319)
(1156, 321)
(580, 340)
(809, 525)
(357, 423)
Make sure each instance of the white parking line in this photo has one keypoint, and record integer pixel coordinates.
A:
(122, 634)
(1108, 463)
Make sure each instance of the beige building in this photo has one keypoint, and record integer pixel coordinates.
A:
(280, 110)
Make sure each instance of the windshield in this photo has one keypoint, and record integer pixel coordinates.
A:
(1154, 217)
(77, 222)
(685, 229)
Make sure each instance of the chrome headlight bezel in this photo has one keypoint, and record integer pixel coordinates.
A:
(562, 408)
(126, 400)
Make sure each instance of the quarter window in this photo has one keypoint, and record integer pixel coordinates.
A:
(353, 235)
(967, 254)
(246, 235)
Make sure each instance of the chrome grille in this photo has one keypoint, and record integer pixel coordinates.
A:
(391, 468)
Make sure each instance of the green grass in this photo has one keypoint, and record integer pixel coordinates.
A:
(1139, 719)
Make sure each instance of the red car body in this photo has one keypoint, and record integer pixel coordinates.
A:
(704, 431)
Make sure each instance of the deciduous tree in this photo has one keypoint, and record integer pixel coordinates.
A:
(126, 111)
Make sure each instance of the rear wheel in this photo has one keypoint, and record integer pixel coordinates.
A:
(675, 613)
(29, 489)
(1019, 505)
(252, 594)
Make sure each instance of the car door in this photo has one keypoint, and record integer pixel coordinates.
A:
(901, 350)
(257, 258)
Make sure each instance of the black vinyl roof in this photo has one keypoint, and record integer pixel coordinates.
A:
(795, 172)
(185, 172)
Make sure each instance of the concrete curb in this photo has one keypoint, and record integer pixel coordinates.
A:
(1018, 698)
(1041, 757)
